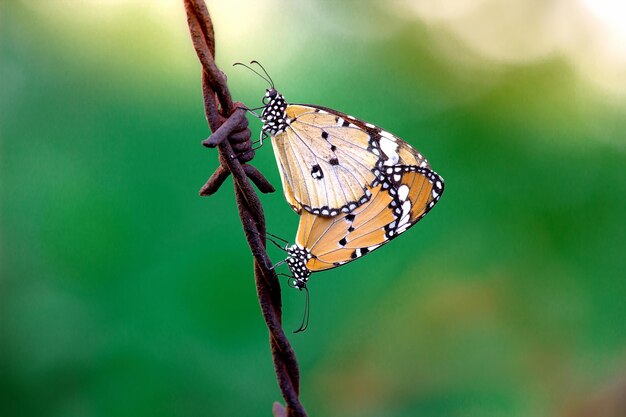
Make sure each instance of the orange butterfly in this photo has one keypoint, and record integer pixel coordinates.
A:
(404, 195)
(328, 161)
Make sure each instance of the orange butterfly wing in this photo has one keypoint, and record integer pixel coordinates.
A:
(329, 161)
(400, 201)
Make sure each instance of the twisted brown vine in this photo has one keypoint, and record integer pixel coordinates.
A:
(231, 135)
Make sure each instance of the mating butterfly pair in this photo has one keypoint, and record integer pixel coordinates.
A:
(354, 185)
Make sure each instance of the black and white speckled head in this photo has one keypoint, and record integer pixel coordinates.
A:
(274, 117)
(298, 257)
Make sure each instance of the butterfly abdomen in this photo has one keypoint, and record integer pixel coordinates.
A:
(296, 261)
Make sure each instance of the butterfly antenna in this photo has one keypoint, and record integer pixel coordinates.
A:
(307, 311)
(268, 76)
(256, 72)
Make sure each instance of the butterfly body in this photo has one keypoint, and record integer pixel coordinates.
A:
(274, 115)
(297, 262)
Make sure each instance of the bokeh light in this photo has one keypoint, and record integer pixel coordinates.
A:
(589, 34)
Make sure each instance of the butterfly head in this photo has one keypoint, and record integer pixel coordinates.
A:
(270, 94)
(274, 117)
(296, 261)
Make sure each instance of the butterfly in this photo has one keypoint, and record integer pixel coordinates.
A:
(329, 162)
(403, 196)
(355, 186)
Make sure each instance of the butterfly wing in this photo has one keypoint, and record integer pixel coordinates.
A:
(393, 150)
(405, 196)
(329, 161)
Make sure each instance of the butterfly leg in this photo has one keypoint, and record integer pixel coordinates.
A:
(254, 113)
(292, 281)
(240, 155)
(260, 142)
(254, 148)
(277, 237)
(276, 265)
(278, 245)
(283, 248)
(251, 111)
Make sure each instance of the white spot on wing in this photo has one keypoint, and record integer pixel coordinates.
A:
(403, 192)
(390, 148)
(403, 228)
(339, 121)
(403, 221)
(406, 208)
(371, 126)
(387, 135)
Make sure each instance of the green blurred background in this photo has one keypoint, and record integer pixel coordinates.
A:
(123, 293)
